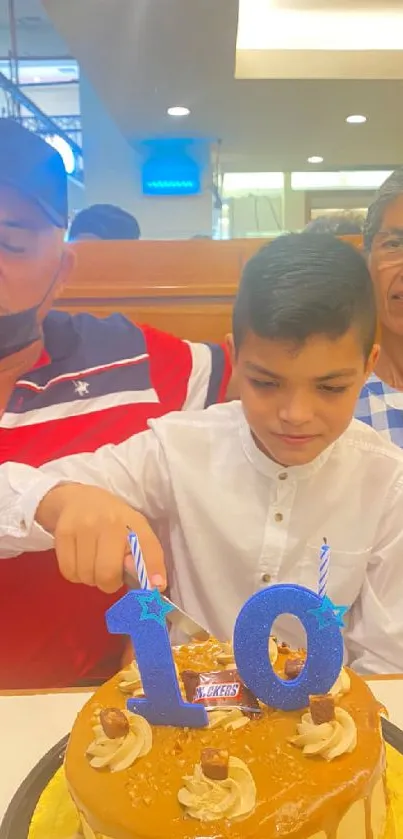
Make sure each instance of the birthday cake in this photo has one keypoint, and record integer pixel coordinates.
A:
(253, 771)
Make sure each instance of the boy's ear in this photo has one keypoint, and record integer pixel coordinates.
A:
(229, 340)
(233, 389)
(372, 359)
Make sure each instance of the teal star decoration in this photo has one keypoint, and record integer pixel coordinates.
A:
(154, 608)
(324, 611)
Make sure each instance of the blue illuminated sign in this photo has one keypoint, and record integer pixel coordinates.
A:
(169, 170)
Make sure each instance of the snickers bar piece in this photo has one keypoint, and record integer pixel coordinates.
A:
(293, 667)
(214, 764)
(114, 723)
(322, 708)
(219, 689)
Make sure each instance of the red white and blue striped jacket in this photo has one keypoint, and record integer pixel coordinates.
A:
(97, 382)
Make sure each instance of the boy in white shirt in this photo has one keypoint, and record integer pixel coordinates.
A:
(246, 492)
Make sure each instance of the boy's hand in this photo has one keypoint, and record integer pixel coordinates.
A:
(90, 526)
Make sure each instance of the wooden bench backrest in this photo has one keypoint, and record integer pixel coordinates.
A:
(186, 288)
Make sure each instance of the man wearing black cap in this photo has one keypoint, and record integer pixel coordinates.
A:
(34, 263)
(67, 385)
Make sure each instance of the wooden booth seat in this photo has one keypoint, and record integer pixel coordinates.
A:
(186, 288)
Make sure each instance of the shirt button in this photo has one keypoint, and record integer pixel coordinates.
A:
(266, 578)
(283, 476)
(278, 517)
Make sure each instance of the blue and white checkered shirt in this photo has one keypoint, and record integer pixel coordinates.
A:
(381, 406)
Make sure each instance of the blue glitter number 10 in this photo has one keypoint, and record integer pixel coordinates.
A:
(141, 614)
(324, 648)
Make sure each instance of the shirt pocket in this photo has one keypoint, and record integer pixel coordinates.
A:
(347, 572)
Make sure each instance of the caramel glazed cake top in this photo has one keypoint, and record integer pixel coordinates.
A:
(254, 772)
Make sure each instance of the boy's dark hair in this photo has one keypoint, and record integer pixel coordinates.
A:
(302, 285)
(391, 189)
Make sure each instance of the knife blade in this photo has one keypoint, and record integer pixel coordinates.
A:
(176, 617)
(392, 734)
(185, 623)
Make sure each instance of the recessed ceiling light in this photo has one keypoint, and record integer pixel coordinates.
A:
(356, 119)
(178, 111)
(315, 159)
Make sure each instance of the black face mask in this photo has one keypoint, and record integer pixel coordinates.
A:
(19, 330)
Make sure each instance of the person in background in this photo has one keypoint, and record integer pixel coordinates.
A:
(68, 384)
(340, 224)
(248, 490)
(104, 221)
(381, 401)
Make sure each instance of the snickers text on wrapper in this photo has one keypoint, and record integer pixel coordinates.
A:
(219, 689)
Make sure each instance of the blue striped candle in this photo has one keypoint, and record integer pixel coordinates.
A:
(139, 563)
(324, 567)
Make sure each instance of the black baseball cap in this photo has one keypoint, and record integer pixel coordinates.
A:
(28, 163)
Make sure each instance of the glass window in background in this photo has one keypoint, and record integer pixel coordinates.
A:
(266, 204)
(252, 205)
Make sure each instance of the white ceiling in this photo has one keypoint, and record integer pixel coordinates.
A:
(144, 56)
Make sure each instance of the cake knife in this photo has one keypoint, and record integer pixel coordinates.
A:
(392, 734)
(136, 577)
